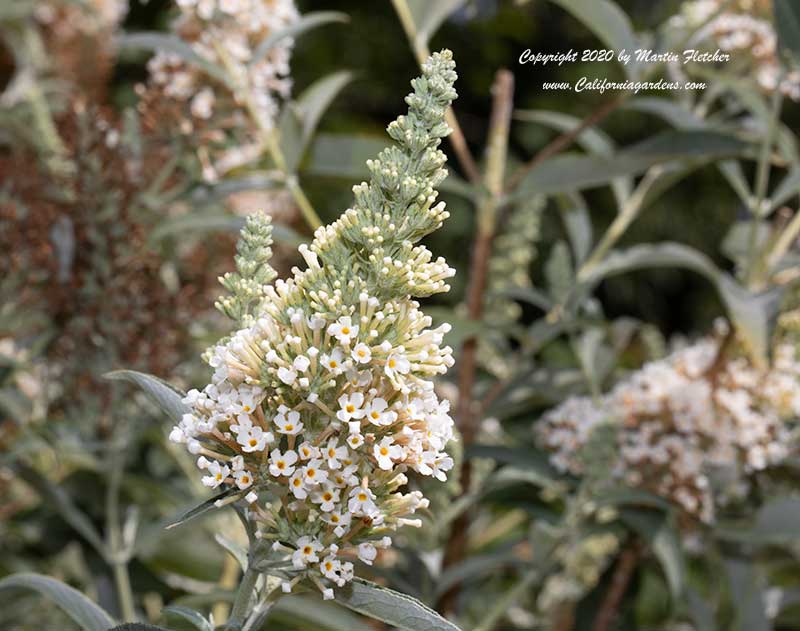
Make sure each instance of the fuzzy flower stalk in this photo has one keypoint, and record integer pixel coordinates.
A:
(323, 402)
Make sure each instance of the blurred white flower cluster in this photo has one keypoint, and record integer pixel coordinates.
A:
(242, 84)
(679, 419)
(90, 17)
(744, 29)
(323, 401)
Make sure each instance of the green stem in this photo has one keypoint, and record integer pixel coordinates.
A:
(502, 606)
(622, 221)
(761, 186)
(270, 140)
(117, 555)
(241, 606)
(784, 242)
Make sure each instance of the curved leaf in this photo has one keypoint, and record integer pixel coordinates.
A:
(391, 607)
(162, 42)
(300, 119)
(85, 613)
(307, 22)
(753, 314)
(189, 615)
(428, 16)
(167, 397)
(608, 22)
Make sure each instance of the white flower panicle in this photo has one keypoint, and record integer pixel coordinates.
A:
(227, 34)
(743, 28)
(323, 403)
(680, 419)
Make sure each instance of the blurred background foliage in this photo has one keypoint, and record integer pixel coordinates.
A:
(89, 481)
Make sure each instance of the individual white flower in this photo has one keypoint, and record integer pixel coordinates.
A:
(326, 498)
(297, 485)
(396, 364)
(254, 439)
(282, 464)
(306, 552)
(313, 473)
(367, 553)
(386, 451)
(333, 453)
(361, 353)
(243, 479)
(217, 474)
(343, 330)
(333, 362)
(306, 451)
(330, 567)
(350, 407)
(289, 423)
(378, 414)
(355, 441)
(361, 501)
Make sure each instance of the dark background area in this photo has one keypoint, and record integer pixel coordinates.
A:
(485, 36)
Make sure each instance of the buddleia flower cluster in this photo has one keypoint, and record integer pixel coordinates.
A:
(744, 29)
(249, 82)
(679, 420)
(513, 253)
(323, 402)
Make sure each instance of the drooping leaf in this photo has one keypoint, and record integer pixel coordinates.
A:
(428, 16)
(195, 618)
(747, 595)
(85, 613)
(58, 499)
(216, 222)
(236, 550)
(608, 22)
(300, 119)
(659, 531)
(558, 272)
(165, 396)
(391, 607)
(593, 140)
(301, 611)
(307, 22)
(575, 215)
(571, 172)
(202, 508)
(163, 42)
(753, 314)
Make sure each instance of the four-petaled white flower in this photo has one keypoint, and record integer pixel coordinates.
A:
(378, 414)
(361, 501)
(361, 353)
(217, 474)
(254, 439)
(243, 479)
(386, 451)
(333, 454)
(343, 330)
(289, 423)
(313, 473)
(350, 407)
(282, 464)
(396, 364)
(306, 552)
(326, 498)
(334, 362)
